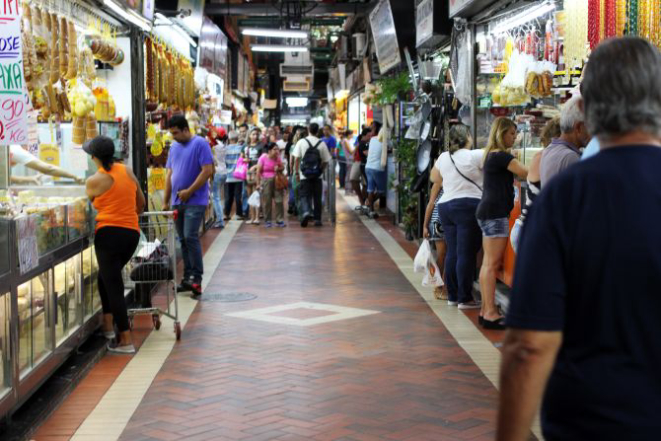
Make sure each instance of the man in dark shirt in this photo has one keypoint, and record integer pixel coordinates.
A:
(584, 314)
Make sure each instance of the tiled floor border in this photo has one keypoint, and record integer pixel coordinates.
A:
(477, 346)
(111, 415)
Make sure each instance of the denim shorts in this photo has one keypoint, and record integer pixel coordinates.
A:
(495, 227)
(377, 181)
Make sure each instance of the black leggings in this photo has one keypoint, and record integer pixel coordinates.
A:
(114, 248)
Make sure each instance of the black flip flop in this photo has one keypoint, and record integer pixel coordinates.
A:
(495, 325)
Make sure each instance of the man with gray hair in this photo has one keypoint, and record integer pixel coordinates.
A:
(585, 306)
(564, 151)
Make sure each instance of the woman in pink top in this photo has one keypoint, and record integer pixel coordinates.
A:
(268, 166)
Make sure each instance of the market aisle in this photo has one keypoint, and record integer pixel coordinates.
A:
(393, 373)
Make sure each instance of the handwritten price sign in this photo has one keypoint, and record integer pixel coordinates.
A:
(13, 98)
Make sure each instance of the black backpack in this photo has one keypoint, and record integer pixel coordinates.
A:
(311, 162)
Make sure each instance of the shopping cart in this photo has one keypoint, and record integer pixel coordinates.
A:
(153, 269)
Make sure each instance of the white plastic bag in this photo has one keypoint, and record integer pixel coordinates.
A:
(422, 257)
(516, 234)
(424, 261)
(254, 201)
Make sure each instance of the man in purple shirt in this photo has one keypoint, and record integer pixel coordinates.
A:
(189, 167)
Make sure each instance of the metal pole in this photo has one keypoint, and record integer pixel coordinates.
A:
(138, 108)
(473, 70)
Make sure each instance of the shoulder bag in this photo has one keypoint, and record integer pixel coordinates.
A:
(463, 175)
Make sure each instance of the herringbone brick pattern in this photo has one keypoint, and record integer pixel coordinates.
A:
(397, 375)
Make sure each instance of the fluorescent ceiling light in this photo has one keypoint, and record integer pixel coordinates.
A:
(523, 18)
(275, 33)
(275, 48)
(297, 101)
(130, 16)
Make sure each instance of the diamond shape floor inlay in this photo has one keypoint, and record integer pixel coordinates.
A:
(303, 314)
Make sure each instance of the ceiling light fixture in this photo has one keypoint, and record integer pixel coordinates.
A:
(523, 17)
(130, 16)
(293, 101)
(181, 31)
(275, 48)
(274, 33)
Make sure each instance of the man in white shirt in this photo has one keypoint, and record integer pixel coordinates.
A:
(311, 157)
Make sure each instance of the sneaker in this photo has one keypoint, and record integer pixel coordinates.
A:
(184, 286)
(452, 303)
(318, 224)
(116, 349)
(249, 222)
(470, 305)
(305, 219)
(218, 225)
(255, 222)
(268, 225)
(196, 289)
(110, 335)
(373, 215)
(280, 224)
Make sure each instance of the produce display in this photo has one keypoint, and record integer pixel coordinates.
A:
(170, 81)
(54, 226)
(60, 71)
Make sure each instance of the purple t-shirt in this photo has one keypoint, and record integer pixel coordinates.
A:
(186, 161)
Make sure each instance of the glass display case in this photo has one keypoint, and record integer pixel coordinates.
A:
(5, 358)
(34, 325)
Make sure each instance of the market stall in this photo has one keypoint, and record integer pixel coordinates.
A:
(68, 87)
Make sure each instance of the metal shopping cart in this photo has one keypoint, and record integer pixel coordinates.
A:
(153, 269)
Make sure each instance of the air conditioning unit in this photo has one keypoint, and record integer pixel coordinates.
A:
(297, 85)
(297, 64)
(358, 46)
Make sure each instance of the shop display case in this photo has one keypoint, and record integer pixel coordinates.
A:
(49, 301)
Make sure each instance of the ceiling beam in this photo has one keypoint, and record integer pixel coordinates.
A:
(269, 22)
(265, 9)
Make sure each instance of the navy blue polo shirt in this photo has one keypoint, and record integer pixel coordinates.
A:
(590, 266)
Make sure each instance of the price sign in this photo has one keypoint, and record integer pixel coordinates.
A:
(13, 98)
(156, 179)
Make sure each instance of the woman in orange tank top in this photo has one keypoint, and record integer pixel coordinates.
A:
(116, 195)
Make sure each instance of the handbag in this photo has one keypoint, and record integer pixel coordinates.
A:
(281, 181)
(156, 267)
(241, 170)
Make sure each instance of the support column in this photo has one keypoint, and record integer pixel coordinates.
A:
(138, 108)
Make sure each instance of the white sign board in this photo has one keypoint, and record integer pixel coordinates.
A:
(13, 96)
(385, 36)
(424, 22)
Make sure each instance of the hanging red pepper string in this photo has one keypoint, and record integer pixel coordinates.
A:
(610, 19)
(593, 22)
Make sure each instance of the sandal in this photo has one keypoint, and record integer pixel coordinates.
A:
(494, 325)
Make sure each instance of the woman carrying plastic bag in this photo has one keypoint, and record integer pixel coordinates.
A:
(424, 262)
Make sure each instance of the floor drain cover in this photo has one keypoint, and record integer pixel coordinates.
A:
(228, 297)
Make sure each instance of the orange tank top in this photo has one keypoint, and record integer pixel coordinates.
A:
(116, 207)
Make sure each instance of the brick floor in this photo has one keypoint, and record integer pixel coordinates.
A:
(396, 375)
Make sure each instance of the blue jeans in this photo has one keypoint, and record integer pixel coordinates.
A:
(463, 239)
(188, 223)
(218, 183)
(245, 196)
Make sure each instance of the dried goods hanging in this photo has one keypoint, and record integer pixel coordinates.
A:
(55, 52)
(63, 47)
(149, 70)
(72, 68)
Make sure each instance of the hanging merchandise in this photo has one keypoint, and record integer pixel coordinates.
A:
(462, 79)
(594, 14)
(576, 32)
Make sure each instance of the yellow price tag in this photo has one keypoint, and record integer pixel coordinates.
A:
(157, 145)
(151, 132)
(156, 180)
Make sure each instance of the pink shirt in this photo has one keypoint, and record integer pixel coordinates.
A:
(269, 165)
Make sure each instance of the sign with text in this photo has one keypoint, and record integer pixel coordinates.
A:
(213, 49)
(385, 36)
(13, 98)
